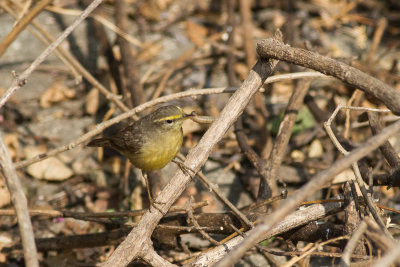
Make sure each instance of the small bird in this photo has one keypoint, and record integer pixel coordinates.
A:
(151, 142)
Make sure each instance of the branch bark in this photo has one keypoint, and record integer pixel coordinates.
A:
(318, 181)
(21, 208)
(271, 48)
(131, 248)
(268, 186)
(298, 218)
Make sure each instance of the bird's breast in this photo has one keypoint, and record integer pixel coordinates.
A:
(158, 152)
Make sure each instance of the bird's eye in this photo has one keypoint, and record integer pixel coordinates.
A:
(169, 121)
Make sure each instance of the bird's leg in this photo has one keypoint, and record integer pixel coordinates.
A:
(146, 179)
(184, 168)
(151, 200)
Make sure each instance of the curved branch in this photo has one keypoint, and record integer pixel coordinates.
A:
(272, 48)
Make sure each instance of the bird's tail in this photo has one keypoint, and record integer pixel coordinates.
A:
(102, 142)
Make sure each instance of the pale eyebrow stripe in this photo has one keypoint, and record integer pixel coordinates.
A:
(175, 117)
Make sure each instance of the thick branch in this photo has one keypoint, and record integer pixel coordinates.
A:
(272, 48)
(130, 248)
(318, 181)
(298, 218)
(268, 186)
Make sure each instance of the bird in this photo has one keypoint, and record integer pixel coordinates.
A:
(151, 142)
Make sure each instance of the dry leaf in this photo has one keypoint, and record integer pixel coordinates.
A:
(279, 19)
(242, 70)
(5, 199)
(51, 169)
(136, 198)
(196, 33)
(11, 142)
(149, 51)
(315, 150)
(344, 176)
(297, 155)
(56, 93)
(92, 101)
(388, 192)
(151, 10)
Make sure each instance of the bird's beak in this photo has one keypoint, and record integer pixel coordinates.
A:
(187, 116)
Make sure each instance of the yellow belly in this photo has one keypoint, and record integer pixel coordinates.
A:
(156, 155)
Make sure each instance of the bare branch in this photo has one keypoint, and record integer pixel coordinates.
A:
(292, 221)
(271, 48)
(130, 248)
(21, 80)
(318, 181)
(100, 127)
(21, 208)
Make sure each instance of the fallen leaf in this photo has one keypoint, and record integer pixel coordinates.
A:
(297, 155)
(242, 70)
(56, 93)
(92, 101)
(344, 176)
(315, 150)
(11, 142)
(149, 51)
(51, 169)
(5, 199)
(196, 33)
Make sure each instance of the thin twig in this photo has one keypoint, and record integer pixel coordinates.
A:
(351, 244)
(132, 88)
(74, 63)
(22, 24)
(115, 214)
(387, 149)
(44, 40)
(318, 254)
(380, 29)
(193, 220)
(100, 127)
(246, 14)
(292, 221)
(268, 186)
(355, 167)
(130, 248)
(390, 257)
(317, 182)
(20, 204)
(102, 20)
(221, 196)
(22, 79)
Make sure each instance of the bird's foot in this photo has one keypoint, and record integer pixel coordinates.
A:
(185, 169)
(155, 204)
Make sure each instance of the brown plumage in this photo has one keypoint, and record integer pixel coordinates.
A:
(151, 142)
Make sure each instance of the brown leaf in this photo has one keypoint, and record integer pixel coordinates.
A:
(196, 33)
(242, 70)
(11, 142)
(5, 199)
(149, 51)
(51, 169)
(56, 93)
(92, 101)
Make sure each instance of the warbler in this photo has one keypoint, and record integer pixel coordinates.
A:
(151, 142)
